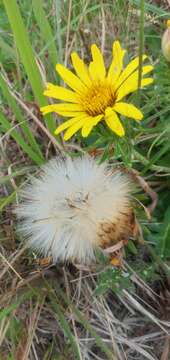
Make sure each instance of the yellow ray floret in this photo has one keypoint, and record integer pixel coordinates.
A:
(95, 93)
(97, 67)
(117, 62)
(81, 69)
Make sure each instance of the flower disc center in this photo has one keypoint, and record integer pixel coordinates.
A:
(97, 98)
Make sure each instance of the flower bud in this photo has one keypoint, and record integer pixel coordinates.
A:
(166, 42)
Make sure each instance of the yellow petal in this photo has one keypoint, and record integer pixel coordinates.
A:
(146, 81)
(146, 69)
(68, 123)
(131, 83)
(132, 87)
(67, 107)
(113, 122)
(81, 69)
(90, 123)
(129, 69)
(117, 63)
(47, 109)
(128, 110)
(62, 109)
(133, 78)
(74, 128)
(69, 78)
(59, 92)
(97, 67)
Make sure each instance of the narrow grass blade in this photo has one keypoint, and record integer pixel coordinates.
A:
(65, 327)
(27, 295)
(7, 49)
(58, 29)
(7, 200)
(165, 149)
(6, 126)
(45, 30)
(27, 55)
(19, 117)
(141, 40)
(8, 310)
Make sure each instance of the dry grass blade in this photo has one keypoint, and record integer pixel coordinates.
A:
(9, 263)
(27, 339)
(145, 312)
(166, 350)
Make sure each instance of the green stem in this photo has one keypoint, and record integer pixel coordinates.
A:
(146, 162)
(141, 39)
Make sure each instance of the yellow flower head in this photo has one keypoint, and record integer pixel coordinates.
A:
(96, 94)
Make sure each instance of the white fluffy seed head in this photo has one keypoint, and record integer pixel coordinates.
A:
(62, 210)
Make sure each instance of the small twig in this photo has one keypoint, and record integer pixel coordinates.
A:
(10, 266)
(5, 269)
(75, 147)
(11, 177)
(114, 248)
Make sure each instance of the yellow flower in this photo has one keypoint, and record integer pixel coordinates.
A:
(96, 94)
